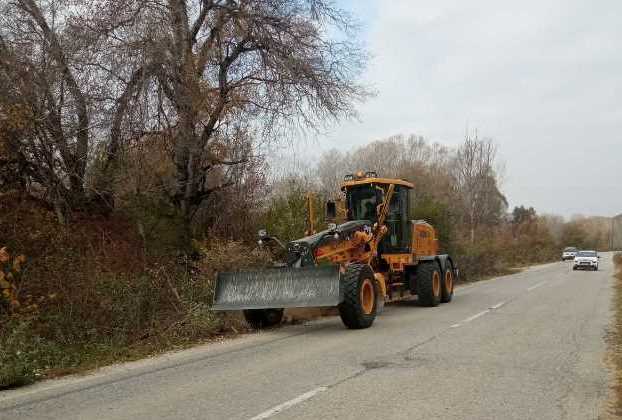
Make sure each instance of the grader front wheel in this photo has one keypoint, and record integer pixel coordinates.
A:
(360, 297)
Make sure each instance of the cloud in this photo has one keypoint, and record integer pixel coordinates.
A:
(543, 78)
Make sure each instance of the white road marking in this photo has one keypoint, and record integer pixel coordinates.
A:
(535, 286)
(477, 315)
(469, 319)
(288, 404)
(498, 305)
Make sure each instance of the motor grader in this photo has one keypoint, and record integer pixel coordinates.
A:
(378, 254)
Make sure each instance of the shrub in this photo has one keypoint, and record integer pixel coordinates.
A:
(23, 355)
(10, 271)
(92, 293)
(479, 260)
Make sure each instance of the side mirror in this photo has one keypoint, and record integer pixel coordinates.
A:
(331, 210)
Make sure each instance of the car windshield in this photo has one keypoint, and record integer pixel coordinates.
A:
(570, 249)
(586, 254)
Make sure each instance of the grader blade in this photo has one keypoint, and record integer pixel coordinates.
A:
(277, 288)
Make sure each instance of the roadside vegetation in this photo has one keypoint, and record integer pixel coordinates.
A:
(111, 287)
(133, 167)
(615, 340)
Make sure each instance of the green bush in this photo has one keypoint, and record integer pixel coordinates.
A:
(285, 216)
(437, 214)
(479, 260)
(23, 354)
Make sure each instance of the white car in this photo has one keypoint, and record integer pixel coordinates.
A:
(569, 253)
(586, 260)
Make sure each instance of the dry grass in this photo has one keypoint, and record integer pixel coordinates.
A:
(616, 339)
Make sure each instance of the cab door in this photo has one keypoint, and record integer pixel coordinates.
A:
(397, 240)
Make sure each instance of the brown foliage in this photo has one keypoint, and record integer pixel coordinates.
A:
(587, 233)
(37, 72)
(92, 294)
(217, 78)
(10, 270)
(615, 339)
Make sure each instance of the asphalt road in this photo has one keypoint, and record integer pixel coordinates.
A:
(526, 346)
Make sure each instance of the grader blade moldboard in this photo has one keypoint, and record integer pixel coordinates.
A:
(277, 288)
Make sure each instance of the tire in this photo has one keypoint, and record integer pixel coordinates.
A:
(263, 318)
(360, 291)
(429, 284)
(447, 284)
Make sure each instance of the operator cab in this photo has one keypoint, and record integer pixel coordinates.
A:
(363, 201)
(364, 195)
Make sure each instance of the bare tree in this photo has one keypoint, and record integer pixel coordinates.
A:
(331, 168)
(36, 59)
(215, 77)
(386, 156)
(475, 183)
(412, 157)
(212, 69)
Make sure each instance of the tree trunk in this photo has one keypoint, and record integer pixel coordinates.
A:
(185, 174)
(472, 223)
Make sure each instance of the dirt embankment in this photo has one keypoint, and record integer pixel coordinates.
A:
(615, 341)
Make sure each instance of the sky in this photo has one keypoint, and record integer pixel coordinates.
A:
(542, 78)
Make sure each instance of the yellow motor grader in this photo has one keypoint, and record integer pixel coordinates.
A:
(377, 255)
